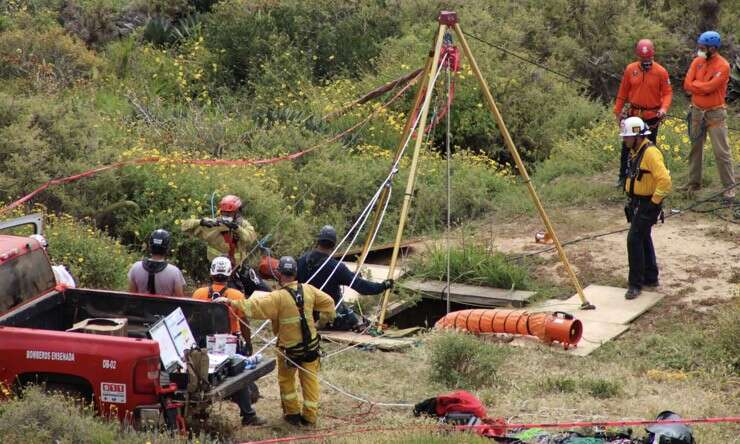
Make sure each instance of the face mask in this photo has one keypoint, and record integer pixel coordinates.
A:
(646, 65)
(227, 219)
(702, 54)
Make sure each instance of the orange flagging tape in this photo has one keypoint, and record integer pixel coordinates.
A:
(499, 428)
(210, 162)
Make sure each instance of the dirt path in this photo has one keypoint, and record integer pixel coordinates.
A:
(698, 256)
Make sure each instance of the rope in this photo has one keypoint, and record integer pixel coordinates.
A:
(622, 230)
(497, 428)
(564, 76)
(333, 386)
(449, 186)
(209, 162)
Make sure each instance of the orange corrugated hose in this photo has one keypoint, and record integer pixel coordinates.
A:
(549, 327)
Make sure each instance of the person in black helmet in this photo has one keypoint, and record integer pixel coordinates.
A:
(312, 262)
(153, 275)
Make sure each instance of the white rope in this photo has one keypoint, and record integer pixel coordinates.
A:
(366, 212)
(449, 187)
(337, 388)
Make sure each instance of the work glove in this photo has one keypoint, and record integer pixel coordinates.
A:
(222, 300)
(209, 223)
(388, 284)
(660, 114)
(231, 224)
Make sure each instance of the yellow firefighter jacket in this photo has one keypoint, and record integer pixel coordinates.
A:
(655, 179)
(280, 308)
(219, 238)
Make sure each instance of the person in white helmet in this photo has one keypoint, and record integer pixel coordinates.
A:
(648, 183)
(221, 271)
(61, 274)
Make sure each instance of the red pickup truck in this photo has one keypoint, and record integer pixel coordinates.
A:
(123, 376)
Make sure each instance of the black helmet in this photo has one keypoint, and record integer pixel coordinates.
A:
(287, 266)
(669, 433)
(159, 242)
(327, 234)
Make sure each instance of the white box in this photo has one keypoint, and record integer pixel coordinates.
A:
(221, 344)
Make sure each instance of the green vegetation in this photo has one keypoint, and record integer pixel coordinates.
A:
(473, 264)
(459, 360)
(86, 83)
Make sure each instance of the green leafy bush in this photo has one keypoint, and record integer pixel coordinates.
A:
(94, 259)
(46, 59)
(464, 361)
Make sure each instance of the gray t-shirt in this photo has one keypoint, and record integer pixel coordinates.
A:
(165, 282)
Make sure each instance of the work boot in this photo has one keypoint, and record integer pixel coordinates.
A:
(632, 292)
(253, 420)
(690, 189)
(294, 419)
(306, 423)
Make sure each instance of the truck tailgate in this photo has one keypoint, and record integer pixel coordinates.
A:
(233, 384)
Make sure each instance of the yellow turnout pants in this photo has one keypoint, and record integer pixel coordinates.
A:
(309, 388)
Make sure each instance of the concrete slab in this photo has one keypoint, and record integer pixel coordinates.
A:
(595, 334)
(611, 306)
(382, 343)
(470, 294)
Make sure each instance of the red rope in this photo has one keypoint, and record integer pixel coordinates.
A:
(498, 428)
(211, 162)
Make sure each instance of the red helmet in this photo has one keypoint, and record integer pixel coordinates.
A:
(645, 49)
(230, 204)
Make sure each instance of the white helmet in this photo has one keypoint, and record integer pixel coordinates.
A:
(634, 126)
(40, 239)
(221, 265)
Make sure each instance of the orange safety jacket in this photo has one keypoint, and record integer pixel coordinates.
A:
(647, 92)
(707, 81)
(204, 294)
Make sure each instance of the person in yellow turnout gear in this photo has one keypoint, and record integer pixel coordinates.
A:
(648, 183)
(290, 310)
(229, 235)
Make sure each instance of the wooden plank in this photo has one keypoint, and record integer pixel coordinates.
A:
(595, 334)
(382, 343)
(611, 306)
(405, 246)
(469, 294)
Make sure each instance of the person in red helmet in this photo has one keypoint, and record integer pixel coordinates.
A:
(230, 235)
(646, 90)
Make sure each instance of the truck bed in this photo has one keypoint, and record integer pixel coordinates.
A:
(60, 310)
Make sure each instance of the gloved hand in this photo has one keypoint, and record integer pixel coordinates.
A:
(222, 300)
(388, 284)
(209, 223)
(231, 224)
(660, 114)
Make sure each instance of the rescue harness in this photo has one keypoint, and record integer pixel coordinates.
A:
(308, 350)
(152, 267)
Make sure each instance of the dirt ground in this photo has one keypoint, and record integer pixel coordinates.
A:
(699, 258)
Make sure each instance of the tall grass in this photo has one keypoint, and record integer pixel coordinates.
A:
(472, 264)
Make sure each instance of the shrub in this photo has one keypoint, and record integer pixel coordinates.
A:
(463, 361)
(46, 59)
(94, 259)
(558, 384)
(602, 388)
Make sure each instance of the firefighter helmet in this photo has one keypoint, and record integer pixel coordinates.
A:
(230, 204)
(645, 49)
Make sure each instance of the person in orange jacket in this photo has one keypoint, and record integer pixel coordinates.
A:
(707, 81)
(646, 88)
